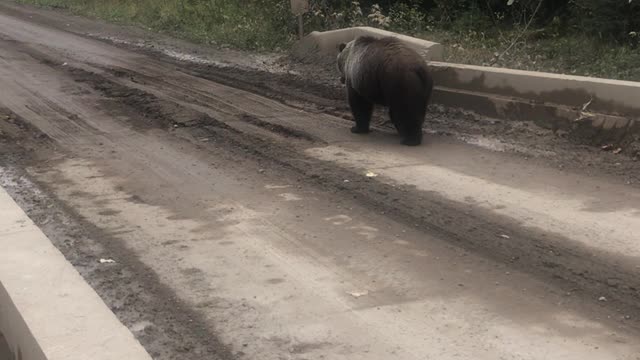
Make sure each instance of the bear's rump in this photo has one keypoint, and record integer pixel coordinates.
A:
(402, 87)
(374, 92)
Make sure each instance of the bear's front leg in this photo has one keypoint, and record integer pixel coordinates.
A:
(361, 109)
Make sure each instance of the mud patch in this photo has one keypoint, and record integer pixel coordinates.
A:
(109, 212)
(152, 111)
(275, 281)
(17, 129)
(279, 129)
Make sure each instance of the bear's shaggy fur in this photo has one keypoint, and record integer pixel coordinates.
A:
(386, 72)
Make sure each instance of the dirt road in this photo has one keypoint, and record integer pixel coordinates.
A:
(246, 222)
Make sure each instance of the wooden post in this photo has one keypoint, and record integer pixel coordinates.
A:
(299, 8)
(300, 29)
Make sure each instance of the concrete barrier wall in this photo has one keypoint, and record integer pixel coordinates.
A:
(596, 110)
(15, 336)
(326, 43)
(5, 350)
(47, 311)
(606, 96)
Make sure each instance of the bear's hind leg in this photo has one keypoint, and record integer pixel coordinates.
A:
(396, 120)
(408, 121)
(361, 109)
(413, 134)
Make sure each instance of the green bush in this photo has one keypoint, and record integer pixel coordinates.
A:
(268, 23)
(609, 20)
(409, 18)
(606, 19)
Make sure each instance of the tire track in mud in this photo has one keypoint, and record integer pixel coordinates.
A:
(545, 255)
(119, 90)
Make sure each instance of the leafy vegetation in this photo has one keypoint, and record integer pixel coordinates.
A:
(584, 37)
(247, 24)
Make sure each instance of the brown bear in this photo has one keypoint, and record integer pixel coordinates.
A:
(384, 71)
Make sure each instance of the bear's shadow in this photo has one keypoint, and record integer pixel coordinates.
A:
(388, 137)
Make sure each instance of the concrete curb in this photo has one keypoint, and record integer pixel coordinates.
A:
(326, 43)
(596, 110)
(600, 110)
(606, 96)
(47, 311)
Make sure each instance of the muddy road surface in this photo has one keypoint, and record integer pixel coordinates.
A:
(246, 222)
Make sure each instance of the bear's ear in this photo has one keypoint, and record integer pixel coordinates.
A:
(342, 46)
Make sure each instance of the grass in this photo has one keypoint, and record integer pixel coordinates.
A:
(569, 54)
(246, 24)
(268, 25)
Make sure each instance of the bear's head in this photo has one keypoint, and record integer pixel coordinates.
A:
(344, 49)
